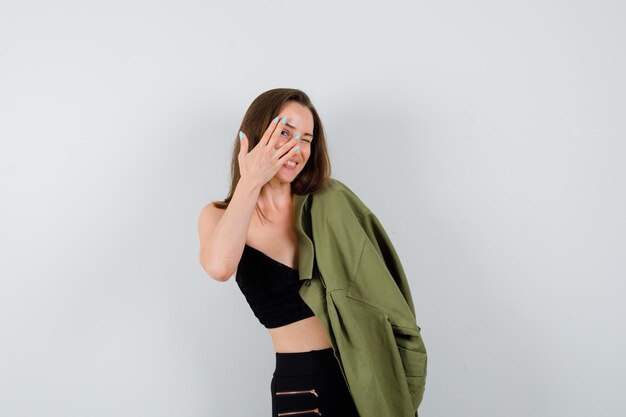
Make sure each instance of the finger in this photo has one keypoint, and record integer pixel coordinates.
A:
(243, 144)
(290, 153)
(289, 144)
(270, 130)
(280, 125)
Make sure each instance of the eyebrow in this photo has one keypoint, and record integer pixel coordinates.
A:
(306, 134)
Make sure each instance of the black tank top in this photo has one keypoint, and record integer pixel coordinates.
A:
(271, 289)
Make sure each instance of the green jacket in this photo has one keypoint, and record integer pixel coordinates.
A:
(355, 284)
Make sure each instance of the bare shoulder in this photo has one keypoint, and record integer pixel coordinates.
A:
(209, 216)
(211, 210)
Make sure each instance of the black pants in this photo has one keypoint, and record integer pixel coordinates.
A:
(308, 384)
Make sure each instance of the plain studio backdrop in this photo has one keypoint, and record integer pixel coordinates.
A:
(489, 138)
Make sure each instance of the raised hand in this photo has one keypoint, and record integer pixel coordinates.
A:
(262, 162)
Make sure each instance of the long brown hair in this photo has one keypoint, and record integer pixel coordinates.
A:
(316, 173)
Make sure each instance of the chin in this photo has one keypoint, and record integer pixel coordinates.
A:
(286, 177)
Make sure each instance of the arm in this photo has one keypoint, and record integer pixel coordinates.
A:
(223, 233)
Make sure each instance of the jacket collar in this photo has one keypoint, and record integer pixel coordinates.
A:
(302, 222)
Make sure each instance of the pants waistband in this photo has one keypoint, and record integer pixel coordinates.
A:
(304, 363)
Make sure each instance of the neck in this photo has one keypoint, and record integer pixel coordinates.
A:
(276, 197)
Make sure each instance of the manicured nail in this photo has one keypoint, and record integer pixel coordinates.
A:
(297, 136)
(284, 120)
(240, 135)
(275, 119)
(297, 148)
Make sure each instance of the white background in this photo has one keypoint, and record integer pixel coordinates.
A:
(489, 138)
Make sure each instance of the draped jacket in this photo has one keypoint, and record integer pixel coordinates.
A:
(353, 281)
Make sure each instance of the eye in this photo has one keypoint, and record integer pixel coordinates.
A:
(306, 140)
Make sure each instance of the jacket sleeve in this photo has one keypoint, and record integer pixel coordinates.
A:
(381, 241)
(403, 330)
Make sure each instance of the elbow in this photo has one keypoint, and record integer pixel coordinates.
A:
(217, 272)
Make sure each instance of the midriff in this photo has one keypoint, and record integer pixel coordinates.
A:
(300, 336)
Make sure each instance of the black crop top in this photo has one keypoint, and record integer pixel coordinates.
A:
(271, 289)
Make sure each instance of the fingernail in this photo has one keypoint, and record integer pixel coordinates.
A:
(240, 135)
(297, 136)
(297, 148)
(275, 119)
(284, 120)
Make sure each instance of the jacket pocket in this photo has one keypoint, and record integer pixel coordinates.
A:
(414, 362)
(411, 348)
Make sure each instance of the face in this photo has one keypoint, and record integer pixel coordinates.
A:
(299, 120)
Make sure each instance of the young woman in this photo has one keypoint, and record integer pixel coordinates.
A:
(281, 151)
